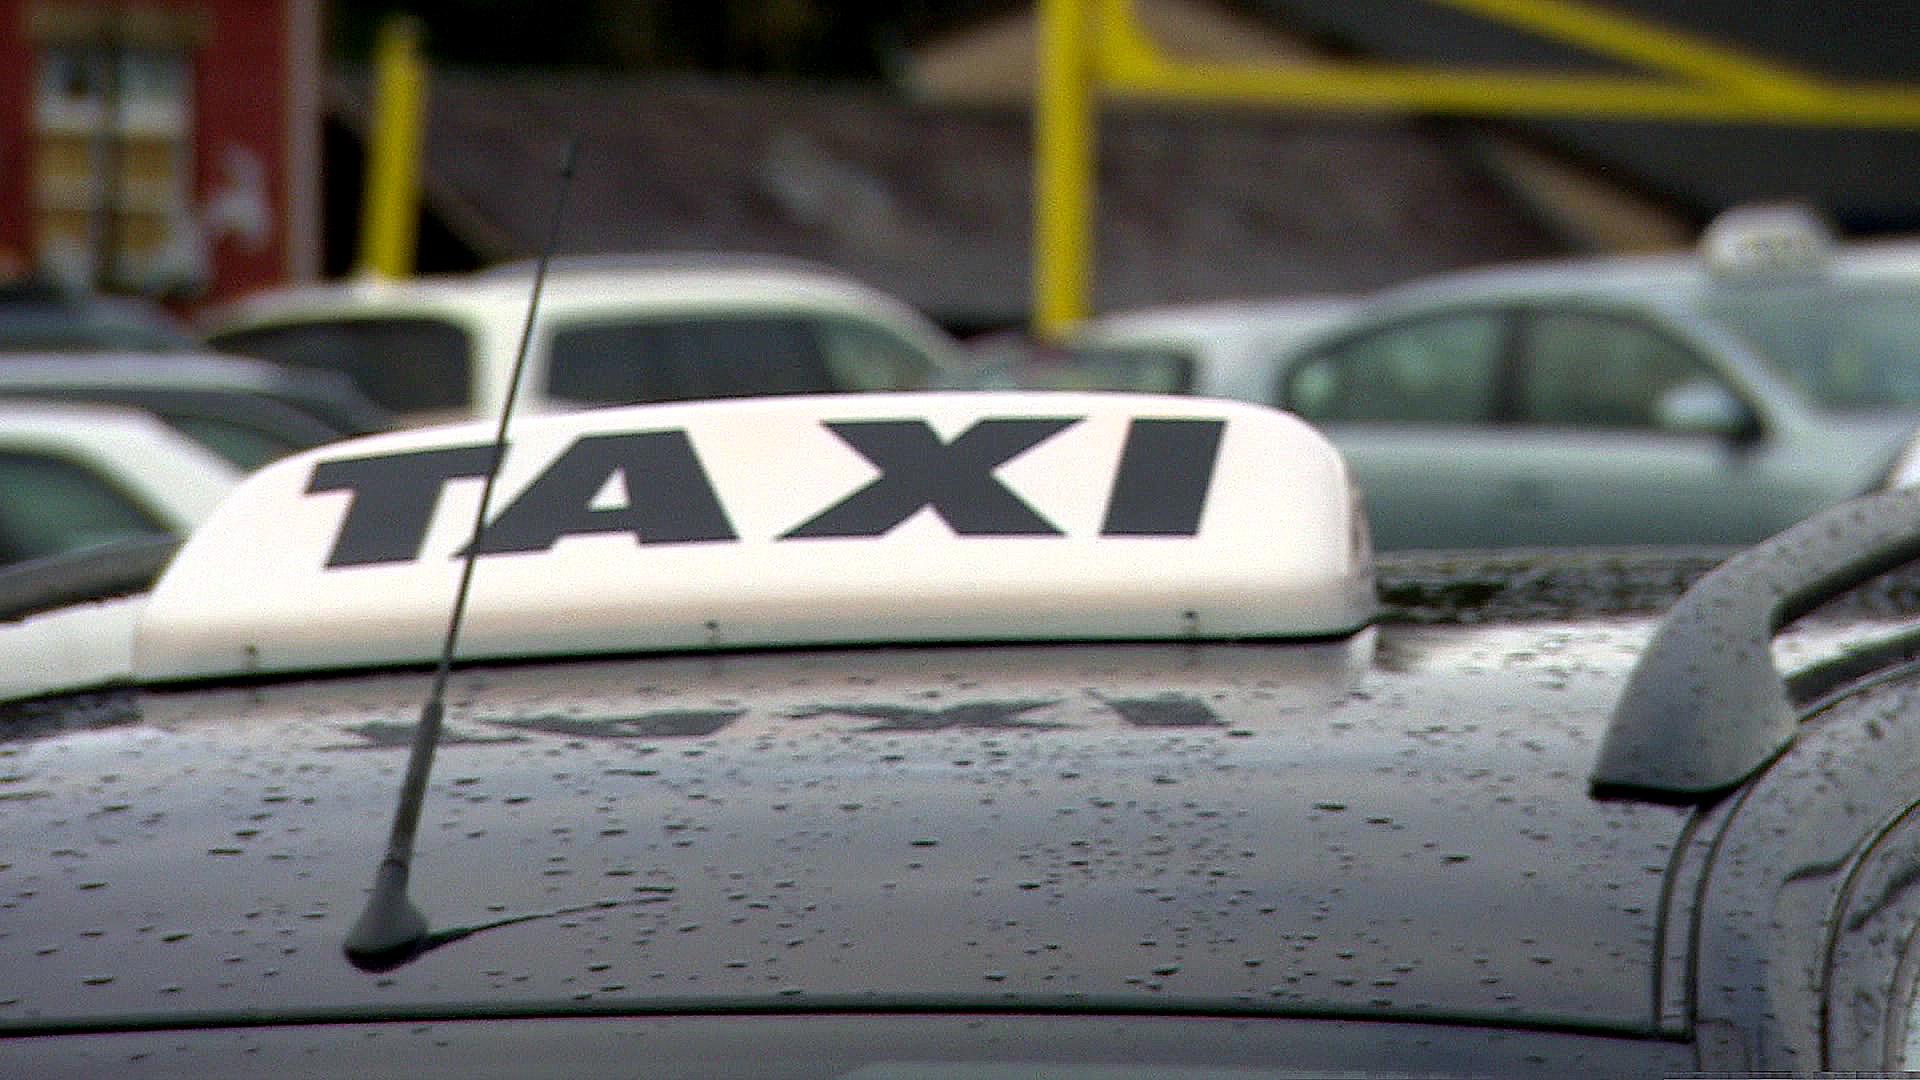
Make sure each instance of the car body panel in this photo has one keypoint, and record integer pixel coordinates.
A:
(855, 1045)
(1229, 349)
(247, 410)
(1178, 825)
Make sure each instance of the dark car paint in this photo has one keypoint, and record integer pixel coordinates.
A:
(1393, 849)
(1199, 825)
(295, 408)
(854, 1045)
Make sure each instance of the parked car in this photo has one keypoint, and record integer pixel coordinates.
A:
(37, 315)
(1712, 398)
(77, 476)
(612, 330)
(248, 411)
(1225, 349)
(958, 735)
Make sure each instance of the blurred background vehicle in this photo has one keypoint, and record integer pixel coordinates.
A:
(77, 476)
(611, 331)
(248, 411)
(1225, 349)
(40, 315)
(1706, 398)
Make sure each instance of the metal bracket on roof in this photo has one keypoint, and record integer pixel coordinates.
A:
(1705, 707)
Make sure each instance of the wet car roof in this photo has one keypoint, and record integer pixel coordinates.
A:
(1052, 823)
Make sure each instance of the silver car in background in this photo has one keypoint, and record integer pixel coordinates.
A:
(1704, 398)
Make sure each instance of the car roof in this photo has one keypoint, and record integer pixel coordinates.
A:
(804, 814)
(1662, 278)
(590, 287)
(41, 314)
(330, 397)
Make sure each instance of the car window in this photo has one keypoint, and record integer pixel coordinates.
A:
(1849, 347)
(405, 364)
(1442, 369)
(1147, 369)
(863, 356)
(50, 505)
(683, 359)
(1590, 369)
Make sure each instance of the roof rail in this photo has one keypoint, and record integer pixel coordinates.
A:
(1705, 707)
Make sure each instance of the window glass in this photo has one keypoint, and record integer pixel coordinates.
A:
(49, 506)
(862, 356)
(1849, 346)
(1435, 370)
(1585, 369)
(1148, 369)
(625, 363)
(405, 364)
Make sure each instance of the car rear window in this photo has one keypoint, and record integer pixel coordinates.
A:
(412, 364)
(49, 506)
(627, 363)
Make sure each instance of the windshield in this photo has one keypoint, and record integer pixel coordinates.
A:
(406, 364)
(1846, 346)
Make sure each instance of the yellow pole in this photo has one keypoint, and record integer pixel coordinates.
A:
(1063, 169)
(390, 203)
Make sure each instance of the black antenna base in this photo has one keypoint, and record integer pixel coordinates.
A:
(390, 930)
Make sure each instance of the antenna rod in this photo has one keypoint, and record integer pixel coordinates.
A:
(391, 930)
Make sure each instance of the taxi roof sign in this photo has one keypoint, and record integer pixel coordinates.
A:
(1768, 240)
(776, 522)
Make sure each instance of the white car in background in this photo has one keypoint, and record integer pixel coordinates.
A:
(611, 330)
(79, 476)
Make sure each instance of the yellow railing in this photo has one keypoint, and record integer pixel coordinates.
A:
(390, 202)
(1090, 49)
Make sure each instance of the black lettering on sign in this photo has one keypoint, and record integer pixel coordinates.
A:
(669, 500)
(393, 499)
(955, 479)
(1165, 470)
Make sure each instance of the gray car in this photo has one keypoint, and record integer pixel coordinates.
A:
(1693, 399)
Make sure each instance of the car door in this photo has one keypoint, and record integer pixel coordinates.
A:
(1606, 456)
(1413, 406)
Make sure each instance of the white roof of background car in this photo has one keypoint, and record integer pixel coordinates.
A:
(1747, 245)
(172, 476)
(492, 305)
(1233, 342)
(772, 522)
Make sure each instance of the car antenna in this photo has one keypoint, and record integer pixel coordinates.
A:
(391, 931)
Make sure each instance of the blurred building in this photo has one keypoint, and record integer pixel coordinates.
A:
(162, 147)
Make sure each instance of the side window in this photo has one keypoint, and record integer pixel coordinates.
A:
(863, 356)
(1438, 370)
(50, 506)
(1588, 369)
(686, 359)
(405, 364)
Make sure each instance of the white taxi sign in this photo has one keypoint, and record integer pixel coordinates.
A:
(772, 522)
(1767, 241)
